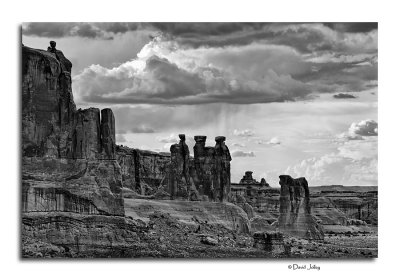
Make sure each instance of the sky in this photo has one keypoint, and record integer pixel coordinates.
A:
(291, 98)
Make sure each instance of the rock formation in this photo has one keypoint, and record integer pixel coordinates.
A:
(68, 159)
(248, 178)
(222, 169)
(204, 167)
(263, 182)
(107, 131)
(51, 125)
(204, 177)
(179, 169)
(295, 212)
(257, 196)
(143, 171)
(335, 207)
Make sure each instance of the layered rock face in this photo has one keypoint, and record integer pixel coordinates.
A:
(65, 183)
(144, 172)
(295, 211)
(76, 235)
(190, 212)
(343, 209)
(68, 159)
(250, 187)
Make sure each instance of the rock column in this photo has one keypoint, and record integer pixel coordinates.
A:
(86, 134)
(295, 212)
(179, 173)
(108, 133)
(222, 170)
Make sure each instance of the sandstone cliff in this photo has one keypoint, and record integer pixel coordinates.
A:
(68, 155)
(143, 171)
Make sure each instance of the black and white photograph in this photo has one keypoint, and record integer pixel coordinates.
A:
(199, 140)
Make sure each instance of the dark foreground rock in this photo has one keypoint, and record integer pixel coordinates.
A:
(269, 241)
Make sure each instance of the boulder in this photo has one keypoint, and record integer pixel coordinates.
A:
(269, 241)
(208, 240)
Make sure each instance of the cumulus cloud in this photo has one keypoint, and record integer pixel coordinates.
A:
(164, 75)
(343, 96)
(287, 65)
(360, 130)
(239, 153)
(243, 133)
(352, 163)
(364, 128)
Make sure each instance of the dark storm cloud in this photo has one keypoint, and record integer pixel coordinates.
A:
(119, 27)
(190, 29)
(175, 82)
(343, 96)
(304, 37)
(48, 29)
(352, 27)
(87, 30)
(102, 30)
(195, 29)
